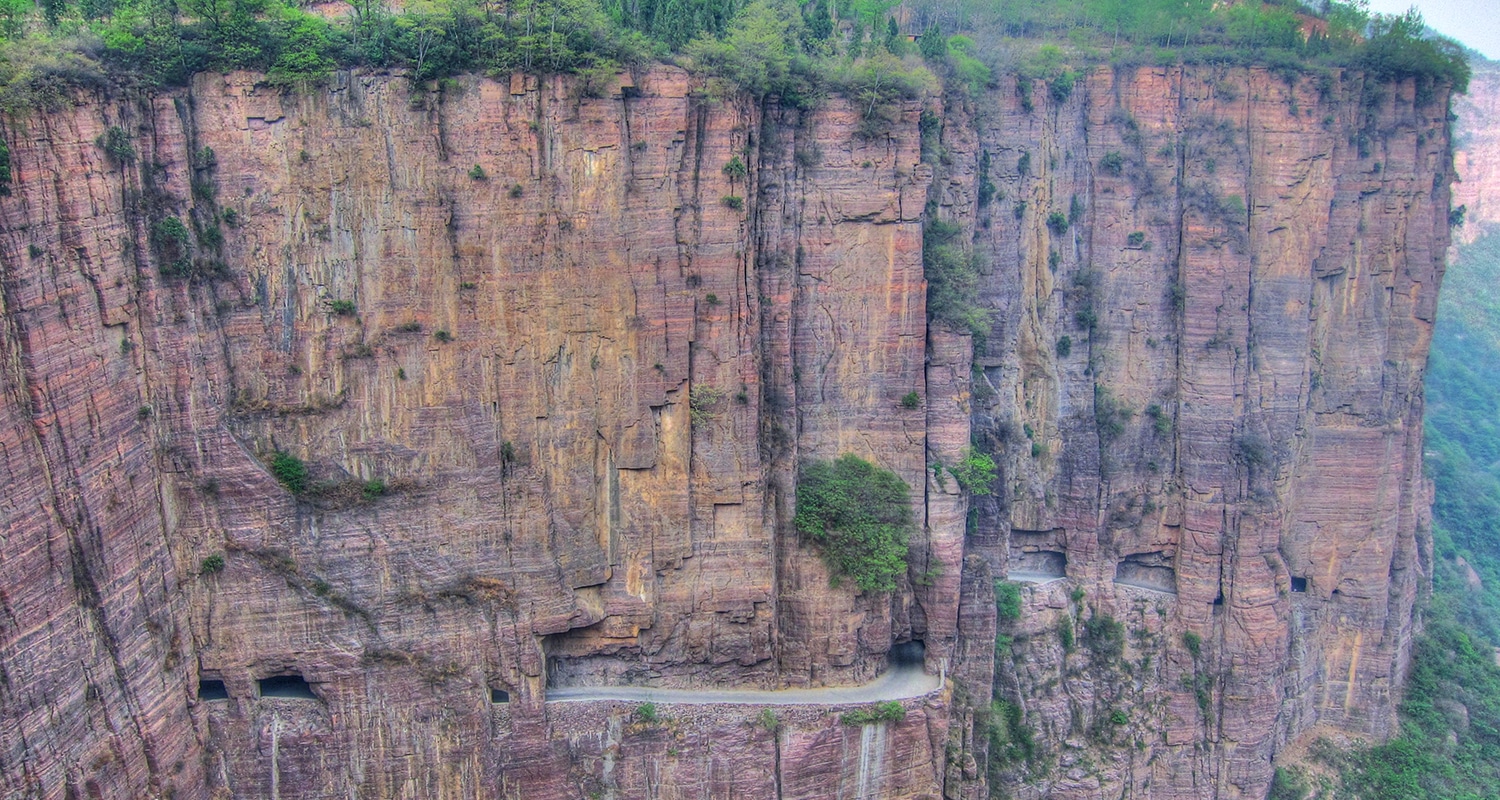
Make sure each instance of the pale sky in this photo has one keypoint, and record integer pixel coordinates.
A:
(1476, 23)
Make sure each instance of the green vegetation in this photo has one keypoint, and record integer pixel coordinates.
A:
(797, 50)
(975, 472)
(859, 516)
(212, 564)
(1105, 637)
(952, 279)
(911, 400)
(343, 308)
(1449, 746)
(478, 173)
(1007, 601)
(889, 711)
(290, 470)
(1194, 644)
(703, 402)
(648, 713)
(1449, 742)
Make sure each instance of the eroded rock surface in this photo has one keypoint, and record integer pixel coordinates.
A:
(553, 408)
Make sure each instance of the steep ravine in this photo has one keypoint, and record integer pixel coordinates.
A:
(585, 373)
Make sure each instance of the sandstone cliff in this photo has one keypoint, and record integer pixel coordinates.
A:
(1476, 151)
(552, 369)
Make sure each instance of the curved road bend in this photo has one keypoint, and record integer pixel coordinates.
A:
(901, 682)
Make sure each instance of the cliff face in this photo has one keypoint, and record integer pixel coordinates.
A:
(552, 368)
(1476, 151)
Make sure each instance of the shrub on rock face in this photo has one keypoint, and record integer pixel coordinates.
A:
(859, 516)
(290, 470)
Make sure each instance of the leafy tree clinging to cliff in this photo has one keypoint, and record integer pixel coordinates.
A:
(859, 516)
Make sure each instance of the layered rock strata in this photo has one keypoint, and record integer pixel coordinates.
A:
(552, 363)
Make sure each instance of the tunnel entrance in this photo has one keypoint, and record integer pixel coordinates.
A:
(499, 696)
(908, 654)
(1299, 585)
(1153, 571)
(1038, 566)
(286, 687)
(211, 689)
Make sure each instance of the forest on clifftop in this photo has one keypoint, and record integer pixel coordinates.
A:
(796, 51)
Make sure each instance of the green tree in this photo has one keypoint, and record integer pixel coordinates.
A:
(859, 516)
(753, 55)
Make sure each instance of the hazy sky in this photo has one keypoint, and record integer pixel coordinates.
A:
(1476, 23)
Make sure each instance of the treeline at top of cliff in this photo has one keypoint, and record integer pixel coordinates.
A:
(793, 49)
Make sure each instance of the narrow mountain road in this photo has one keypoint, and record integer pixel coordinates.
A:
(901, 682)
(1033, 577)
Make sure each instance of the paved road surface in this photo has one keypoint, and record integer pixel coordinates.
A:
(1033, 577)
(1145, 586)
(900, 682)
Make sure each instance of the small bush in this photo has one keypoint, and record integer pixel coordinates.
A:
(767, 719)
(170, 231)
(1194, 644)
(343, 308)
(1065, 633)
(911, 400)
(733, 201)
(702, 402)
(735, 169)
(1057, 222)
(212, 564)
(1023, 165)
(1064, 346)
(1110, 414)
(478, 173)
(443, 336)
(290, 470)
(373, 488)
(115, 143)
(1105, 637)
(1007, 601)
(1160, 422)
(648, 713)
(1288, 784)
(1119, 717)
(411, 326)
(859, 516)
(712, 299)
(516, 190)
(888, 711)
(1113, 163)
(507, 452)
(1136, 239)
(975, 472)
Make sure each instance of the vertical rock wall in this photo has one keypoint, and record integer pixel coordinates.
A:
(552, 368)
(1214, 292)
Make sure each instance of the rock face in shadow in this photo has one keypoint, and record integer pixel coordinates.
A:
(551, 362)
